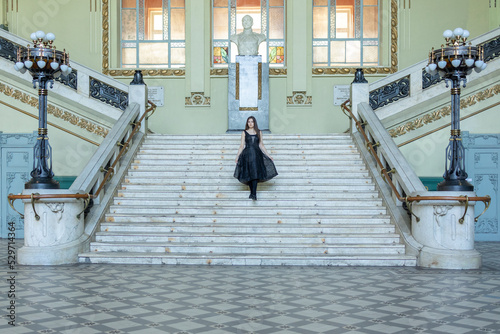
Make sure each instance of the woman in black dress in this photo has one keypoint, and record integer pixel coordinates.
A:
(253, 163)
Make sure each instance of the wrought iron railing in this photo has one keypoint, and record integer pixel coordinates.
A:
(99, 85)
(397, 86)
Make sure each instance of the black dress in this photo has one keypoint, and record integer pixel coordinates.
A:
(253, 164)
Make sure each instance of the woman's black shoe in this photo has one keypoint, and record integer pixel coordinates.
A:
(253, 197)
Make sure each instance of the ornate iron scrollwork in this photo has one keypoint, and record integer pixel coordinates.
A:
(108, 94)
(390, 93)
(8, 50)
(69, 80)
(491, 49)
(430, 80)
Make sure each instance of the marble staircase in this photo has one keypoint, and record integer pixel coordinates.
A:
(179, 204)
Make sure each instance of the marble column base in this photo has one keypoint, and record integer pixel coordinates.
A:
(58, 235)
(448, 242)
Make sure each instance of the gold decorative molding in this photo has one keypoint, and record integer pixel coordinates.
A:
(53, 110)
(299, 99)
(249, 108)
(259, 80)
(371, 70)
(443, 112)
(224, 71)
(277, 71)
(163, 72)
(198, 99)
(219, 71)
(120, 72)
(237, 82)
(105, 36)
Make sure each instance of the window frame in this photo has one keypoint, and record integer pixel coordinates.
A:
(387, 46)
(143, 36)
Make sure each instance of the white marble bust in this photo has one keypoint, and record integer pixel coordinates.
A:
(248, 41)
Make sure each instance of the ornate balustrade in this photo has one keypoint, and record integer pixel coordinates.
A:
(437, 227)
(73, 215)
(83, 83)
(406, 87)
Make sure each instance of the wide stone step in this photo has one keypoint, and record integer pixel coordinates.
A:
(143, 167)
(344, 156)
(307, 147)
(157, 150)
(247, 220)
(248, 259)
(257, 209)
(147, 193)
(228, 179)
(219, 228)
(203, 139)
(231, 248)
(334, 161)
(241, 187)
(228, 172)
(239, 203)
(249, 238)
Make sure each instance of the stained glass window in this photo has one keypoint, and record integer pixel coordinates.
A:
(268, 18)
(345, 33)
(153, 33)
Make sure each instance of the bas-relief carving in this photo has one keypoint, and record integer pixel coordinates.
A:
(441, 211)
(11, 162)
(299, 98)
(50, 230)
(197, 99)
(487, 226)
(485, 160)
(18, 222)
(28, 139)
(448, 229)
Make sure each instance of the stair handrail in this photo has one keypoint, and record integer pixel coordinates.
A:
(129, 119)
(404, 182)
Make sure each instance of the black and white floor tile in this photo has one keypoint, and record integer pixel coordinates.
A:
(150, 299)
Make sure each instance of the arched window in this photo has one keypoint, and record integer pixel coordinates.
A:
(153, 34)
(268, 18)
(346, 33)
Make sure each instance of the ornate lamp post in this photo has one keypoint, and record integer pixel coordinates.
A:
(44, 63)
(454, 61)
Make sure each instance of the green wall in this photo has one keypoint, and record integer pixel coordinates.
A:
(78, 29)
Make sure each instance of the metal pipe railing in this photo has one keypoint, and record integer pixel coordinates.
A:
(408, 200)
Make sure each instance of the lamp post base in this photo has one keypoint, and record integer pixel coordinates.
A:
(455, 185)
(42, 183)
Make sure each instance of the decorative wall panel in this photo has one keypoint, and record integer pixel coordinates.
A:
(16, 163)
(482, 152)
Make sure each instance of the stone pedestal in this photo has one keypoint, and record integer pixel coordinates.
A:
(448, 241)
(58, 235)
(248, 93)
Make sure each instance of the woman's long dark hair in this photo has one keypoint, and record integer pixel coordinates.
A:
(255, 126)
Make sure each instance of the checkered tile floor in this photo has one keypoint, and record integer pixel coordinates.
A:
(95, 298)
